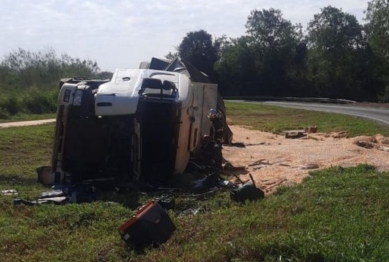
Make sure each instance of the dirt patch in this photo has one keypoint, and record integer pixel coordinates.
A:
(26, 123)
(274, 160)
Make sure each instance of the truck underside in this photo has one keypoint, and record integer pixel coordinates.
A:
(140, 126)
(109, 146)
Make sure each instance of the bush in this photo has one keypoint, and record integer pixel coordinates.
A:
(11, 104)
(39, 102)
(4, 114)
(30, 102)
(385, 97)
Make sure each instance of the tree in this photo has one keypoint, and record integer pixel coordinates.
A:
(377, 28)
(199, 49)
(337, 45)
(171, 55)
(377, 15)
(236, 67)
(104, 75)
(268, 28)
(297, 72)
(334, 31)
(273, 40)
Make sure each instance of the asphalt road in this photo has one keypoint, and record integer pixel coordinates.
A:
(380, 115)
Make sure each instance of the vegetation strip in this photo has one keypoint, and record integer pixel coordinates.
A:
(277, 119)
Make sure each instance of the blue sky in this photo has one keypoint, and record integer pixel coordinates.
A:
(120, 33)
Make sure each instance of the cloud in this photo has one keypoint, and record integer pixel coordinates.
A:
(122, 33)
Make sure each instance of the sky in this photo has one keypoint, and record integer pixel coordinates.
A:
(122, 34)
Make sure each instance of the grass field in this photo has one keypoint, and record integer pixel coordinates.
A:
(276, 119)
(335, 215)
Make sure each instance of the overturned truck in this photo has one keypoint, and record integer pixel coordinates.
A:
(142, 125)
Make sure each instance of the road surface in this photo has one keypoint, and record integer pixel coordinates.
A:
(380, 115)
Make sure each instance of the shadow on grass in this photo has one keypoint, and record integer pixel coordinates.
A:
(13, 180)
(128, 199)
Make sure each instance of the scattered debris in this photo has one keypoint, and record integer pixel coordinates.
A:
(260, 162)
(193, 211)
(49, 200)
(338, 135)
(62, 194)
(204, 184)
(9, 192)
(238, 178)
(83, 193)
(309, 166)
(386, 149)
(370, 142)
(313, 138)
(229, 167)
(311, 129)
(382, 140)
(267, 182)
(210, 153)
(258, 144)
(167, 202)
(205, 195)
(273, 185)
(364, 144)
(292, 134)
(237, 144)
(367, 142)
(45, 176)
(52, 193)
(247, 191)
(150, 226)
(225, 183)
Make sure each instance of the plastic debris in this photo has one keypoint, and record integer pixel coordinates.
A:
(9, 192)
(49, 200)
(247, 191)
(206, 183)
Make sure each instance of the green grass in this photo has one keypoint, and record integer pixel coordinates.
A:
(277, 119)
(334, 215)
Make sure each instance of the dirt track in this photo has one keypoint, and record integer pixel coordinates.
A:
(26, 123)
(273, 159)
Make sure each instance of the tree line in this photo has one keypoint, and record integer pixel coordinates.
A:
(23, 69)
(29, 80)
(335, 57)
